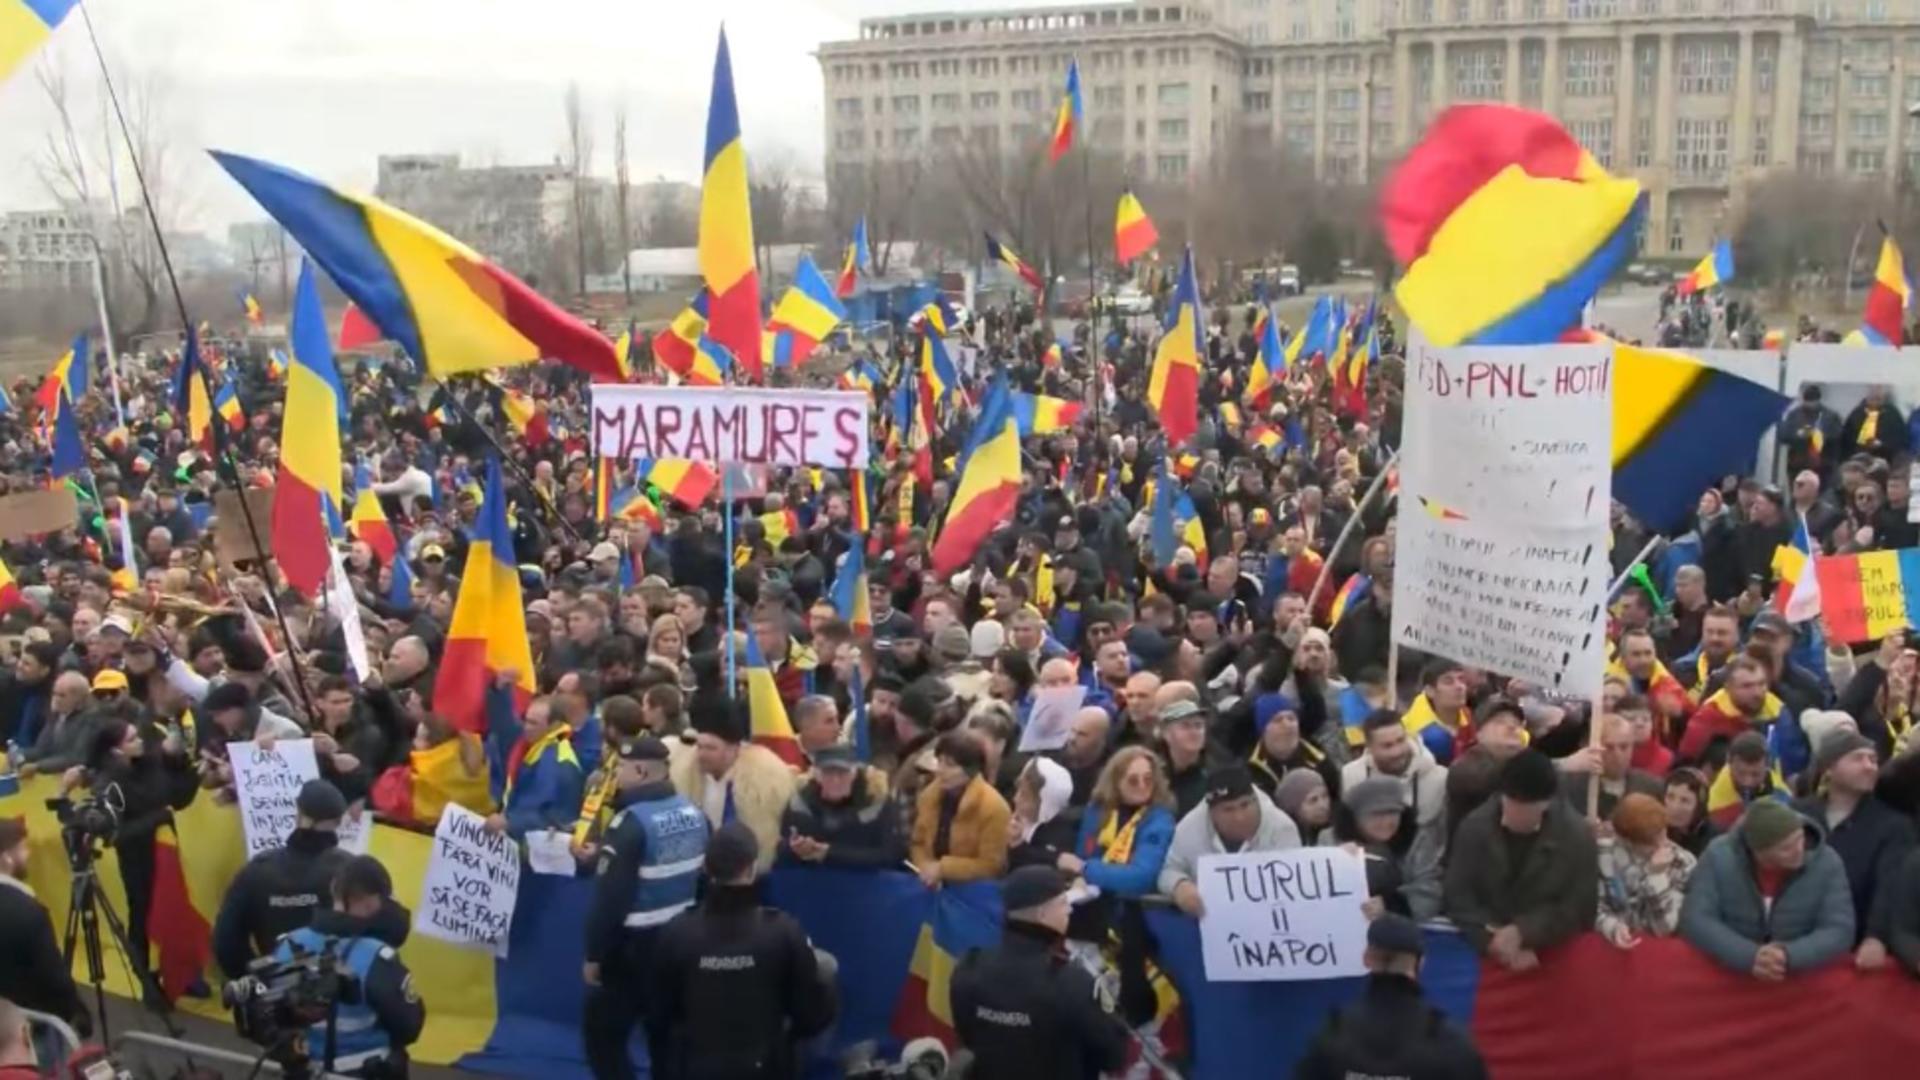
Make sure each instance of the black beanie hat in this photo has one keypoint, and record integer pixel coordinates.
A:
(1529, 776)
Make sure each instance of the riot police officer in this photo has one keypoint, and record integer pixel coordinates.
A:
(737, 986)
(279, 891)
(1391, 1031)
(378, 1015)
(1021, 1009)
(649, 871)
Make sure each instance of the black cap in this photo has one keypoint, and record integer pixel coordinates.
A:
(1227, 782)
(835, 757)
(321, 801)
(1395, 934)
(1031, 886)
(1772, 622)
(732, 852)
(643, 747)
(362, 876)
(1529, 776)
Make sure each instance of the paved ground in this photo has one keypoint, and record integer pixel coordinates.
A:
(124, 1016)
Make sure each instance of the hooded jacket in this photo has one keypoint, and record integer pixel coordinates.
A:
(1056, 826)
(1426, 785)
(1725, 917)
(1195, 836)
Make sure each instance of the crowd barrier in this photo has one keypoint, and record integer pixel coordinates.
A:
(1590, 1011)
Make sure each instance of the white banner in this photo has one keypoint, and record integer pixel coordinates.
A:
(740, 424)
(266, 785)
(1283, 916)
(1506, 481)
(473, 881)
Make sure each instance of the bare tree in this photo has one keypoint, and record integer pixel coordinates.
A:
(770, 194)
(1797, 224)
(887, 193)
(579, 170)
(622, 193)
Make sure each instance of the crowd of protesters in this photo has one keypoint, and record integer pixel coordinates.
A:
(1745, 788)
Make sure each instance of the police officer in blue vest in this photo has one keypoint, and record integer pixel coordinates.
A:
(650, 862)
(378, 1014)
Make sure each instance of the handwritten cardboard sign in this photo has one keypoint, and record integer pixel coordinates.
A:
(1283, 916)
(472, 883)
(231, 540)
(266, 784)
(747, 425)
(34, 513)
(1506, 479)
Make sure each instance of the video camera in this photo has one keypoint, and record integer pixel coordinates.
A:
(921, 1059)
(87, 823)
(277, 1000)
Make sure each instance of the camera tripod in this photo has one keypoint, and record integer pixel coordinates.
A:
(87, 906)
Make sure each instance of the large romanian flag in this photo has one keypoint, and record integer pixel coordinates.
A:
(989, 486)
(1133, 231)
(1071, 114)
(1005, 255)
(1505, 225)
(1175, 387)
(953, 929)
(804, 316)
(489, 631)
(451, 309)
(69, 374)
(726, 226)
(771, 728)
(675, 346)
(1039, 414)
(24, 26)
(308, 483)
(1889, 297)
(685, 482)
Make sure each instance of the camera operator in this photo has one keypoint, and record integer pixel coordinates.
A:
(1021, 1008)
(649, 870)
(737, 986)
(279, 891)
(32, 971)
(378, 1014)
(144, 779)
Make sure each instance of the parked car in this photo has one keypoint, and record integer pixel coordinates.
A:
(1289, 283)
(1129, 300)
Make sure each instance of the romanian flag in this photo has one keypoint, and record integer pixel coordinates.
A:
(685, 482)
(771, 727)
(954, 928)
(182, 936)
(602, 489)
(726, 226)
(369, 522)
(779, 525)
(1039, 414)
(1068, 118)
(24, 26)
(806, 314)
(308, 482)
(862, 504)
(447, 306)
(1505, 226)
(1715, 269)
(674, 347)
(69, 374)
(1230, 416)
(277, 365)
(10, 597)
(858, 258)
(1265, 437)
(1133, 231)
(1889, 297)
(1867, 596)
(69, 452)
(1269, 361)
(1798, 594)
(226, 402)
(1001, 253)
(252, 307)
(489, 630)
(711, 362)
(1352, 591)
(861, 375)
(528, 417)
(623, 351)
(1679, 426)
(1053, 356)
(989, 486)
(850, 597)
(938, 376)
(356, 330)
(1175, 388)
(633, 504)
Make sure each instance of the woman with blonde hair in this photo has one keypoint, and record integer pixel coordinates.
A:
(1127, 828)
(667, 648)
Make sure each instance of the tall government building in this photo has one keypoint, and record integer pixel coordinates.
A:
(1694, 97)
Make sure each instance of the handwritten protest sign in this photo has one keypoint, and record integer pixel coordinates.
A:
(1506, 479)
(1865, 597)
(473, 880)
(1283, 916)
(1051, 719)
(266, 784)
(746, 425)
(32, 513)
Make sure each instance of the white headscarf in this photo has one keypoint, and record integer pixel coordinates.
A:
(1056, 790)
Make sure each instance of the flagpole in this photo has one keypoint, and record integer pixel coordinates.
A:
(1093, 288)
(222, 448)
(106, 330)
(1359, 509)
(519, 474)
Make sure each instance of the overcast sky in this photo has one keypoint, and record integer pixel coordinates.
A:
(328, 85)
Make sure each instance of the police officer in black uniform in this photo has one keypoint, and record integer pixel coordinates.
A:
(1021, 1009)
(1391, 1032)
(649, 872)
(737, 986)
(279, 891)
(378, 1015)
